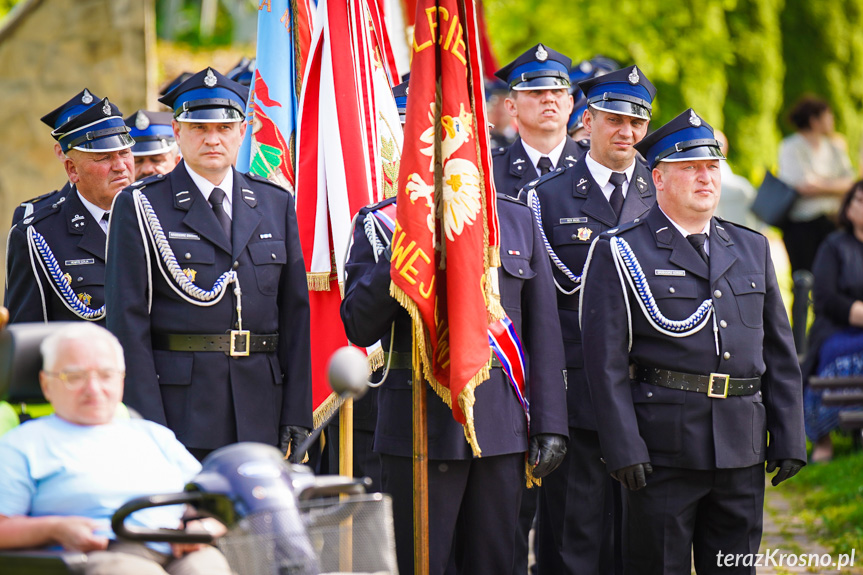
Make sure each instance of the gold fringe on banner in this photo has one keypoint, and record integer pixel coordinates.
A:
(318, 281)
(528, 475)
(330, 405)
(466, 398)
(376, 360)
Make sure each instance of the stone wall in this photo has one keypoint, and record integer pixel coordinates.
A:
(49, 51)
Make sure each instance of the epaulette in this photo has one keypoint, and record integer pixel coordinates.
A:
(499, 151)
(43, 212)
(263, 180)
(379, 205)
(736, 225)
(502, 196)
(543, 179)
(141, 184)
(38, 199)
(624, 227)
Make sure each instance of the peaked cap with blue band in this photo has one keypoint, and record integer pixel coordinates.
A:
(99, 128)
(208, 96)
(626, 91)
(152, 132)
(576, 119)
(68, 110)
(685, 138)
(400, 93)
(539, 68)
(243, 72)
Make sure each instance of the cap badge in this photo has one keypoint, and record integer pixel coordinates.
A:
(106, 107)
(694, 119)
(87, 97)
(584, 234)
(210, 78)
(142, 122)
(585, 67)
(633, 76)
(541, 54)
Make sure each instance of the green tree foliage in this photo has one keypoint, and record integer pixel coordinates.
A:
(739, 63)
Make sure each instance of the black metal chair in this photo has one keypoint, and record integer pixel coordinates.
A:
(20, 362)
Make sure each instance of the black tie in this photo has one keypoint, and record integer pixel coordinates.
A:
(544, 164)
(106, 217)
(616, 199)
(217, 196)
(697, 241)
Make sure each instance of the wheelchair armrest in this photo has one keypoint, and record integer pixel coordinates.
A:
(42, 562)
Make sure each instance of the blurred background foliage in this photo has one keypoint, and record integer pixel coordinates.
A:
(740, 63)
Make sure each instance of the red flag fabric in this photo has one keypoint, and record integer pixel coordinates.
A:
(444, 244)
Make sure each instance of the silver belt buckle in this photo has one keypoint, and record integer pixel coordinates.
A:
(718, 378)
(240, 339)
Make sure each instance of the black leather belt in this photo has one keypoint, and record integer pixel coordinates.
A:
(717, 385)
(404, 360)
(235, 343)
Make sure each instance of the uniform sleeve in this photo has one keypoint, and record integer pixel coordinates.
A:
(25, 289)
(127, 289)
(17, 488)
(368, 310)
(781, 383)
(829, 300)
(295, 354)
(544, 342)
(605, 340)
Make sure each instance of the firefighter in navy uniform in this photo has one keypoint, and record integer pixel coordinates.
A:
(54, 120)
(473, 502)
(56, 256)
(155, 150)
(541, 104)
(215, 322)
(607, 188)
(692, 363)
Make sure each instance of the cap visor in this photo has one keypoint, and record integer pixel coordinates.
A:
(152, 147)
(543, 83)
(206, 115)
(699, 153)
(110, 143)
(622, 107)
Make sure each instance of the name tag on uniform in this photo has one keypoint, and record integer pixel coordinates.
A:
(266, 236)
(80, 262)
(573, 220)
(183, 236)
(679, 273)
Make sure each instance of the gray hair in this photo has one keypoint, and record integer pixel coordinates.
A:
(79, 331)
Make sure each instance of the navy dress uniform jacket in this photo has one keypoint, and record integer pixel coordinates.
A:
(639, 422)
(208, 398)
(78, 243)
(513, 169)
(368, 312)
(574, 213)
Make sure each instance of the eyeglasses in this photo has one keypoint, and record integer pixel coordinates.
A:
(75, 379)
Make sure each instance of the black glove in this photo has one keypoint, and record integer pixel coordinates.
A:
(633, 477)
(545, 453)
(292, 436)
(788, 468)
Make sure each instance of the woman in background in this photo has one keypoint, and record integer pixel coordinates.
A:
(836, 336)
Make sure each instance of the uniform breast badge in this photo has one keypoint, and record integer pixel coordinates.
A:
(584, 234)
(190, 273)
(85, 298)
(68, 278)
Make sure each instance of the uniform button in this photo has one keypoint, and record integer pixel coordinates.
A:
(80, 279)
(726, 355)
(236, 265)
(273, 256)
(753, 284)
(717, 293)
(723, 323)
(188, 256)
(649, 394)
(635, 221)
(575, 237)
(520, 272)
(671, 290)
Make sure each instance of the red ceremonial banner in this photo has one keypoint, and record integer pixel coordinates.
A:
(445, 241)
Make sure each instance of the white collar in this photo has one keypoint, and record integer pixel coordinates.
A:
(94, 210)
(601, 174)
(206, 186)
(680, 228)
(553, 155)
